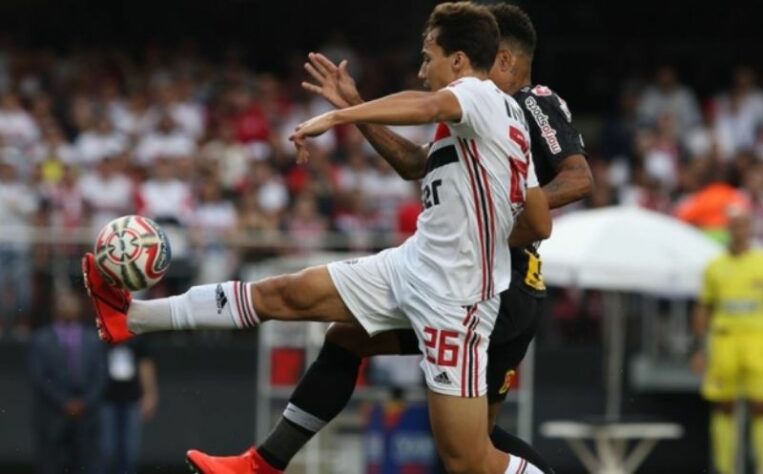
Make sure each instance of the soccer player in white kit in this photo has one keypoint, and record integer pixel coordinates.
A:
(443, 282)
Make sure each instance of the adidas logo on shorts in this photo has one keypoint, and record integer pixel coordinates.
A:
(442, 378)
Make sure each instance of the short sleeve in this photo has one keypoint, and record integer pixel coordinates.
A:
(550, 123)
(467, 95)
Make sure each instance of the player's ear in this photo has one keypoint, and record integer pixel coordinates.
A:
(505, 60)
(458, 60)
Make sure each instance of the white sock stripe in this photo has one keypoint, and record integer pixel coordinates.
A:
(250, 302)
(302, 418)
(243, 307)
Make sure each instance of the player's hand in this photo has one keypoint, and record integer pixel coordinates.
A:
(311, 128)
(698, 362)
(333, 82)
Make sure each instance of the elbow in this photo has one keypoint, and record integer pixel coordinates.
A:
(543, 231)
(586, 186)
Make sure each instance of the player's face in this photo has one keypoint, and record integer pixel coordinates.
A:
(436, 69)
(740, 228)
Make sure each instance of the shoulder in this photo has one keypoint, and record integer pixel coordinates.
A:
(540, 98)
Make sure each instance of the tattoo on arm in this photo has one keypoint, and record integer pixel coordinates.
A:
(572, 183)
(406, 158)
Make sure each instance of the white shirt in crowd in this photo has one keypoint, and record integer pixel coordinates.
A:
(171, 145)
(108, 197)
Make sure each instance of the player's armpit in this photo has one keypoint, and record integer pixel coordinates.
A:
(572, 182)
(534, 223)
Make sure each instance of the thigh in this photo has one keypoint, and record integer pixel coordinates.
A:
(453, 340)
(309, 295)
(355, 339)
(752, 375)
(504, 356)
(721, 381)
(365, 286)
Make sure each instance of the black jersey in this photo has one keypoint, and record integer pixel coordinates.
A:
(553, 139)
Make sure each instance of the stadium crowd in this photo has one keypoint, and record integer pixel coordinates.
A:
(201, 147)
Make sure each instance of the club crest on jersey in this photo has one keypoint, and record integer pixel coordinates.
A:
(541, 91)
(508, 381)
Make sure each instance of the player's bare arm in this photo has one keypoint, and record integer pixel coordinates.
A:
(572, 182)
(335, 84)
(403, 108)
(700, 323)
(534, 223)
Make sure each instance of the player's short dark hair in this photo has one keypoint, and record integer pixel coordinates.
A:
(515, 26)
(467, 27)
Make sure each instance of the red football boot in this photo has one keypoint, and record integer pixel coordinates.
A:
(248, 463)
(110, 303)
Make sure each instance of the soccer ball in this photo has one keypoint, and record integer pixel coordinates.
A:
(132, 252)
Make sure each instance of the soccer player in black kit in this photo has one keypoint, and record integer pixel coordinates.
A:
(562, 169)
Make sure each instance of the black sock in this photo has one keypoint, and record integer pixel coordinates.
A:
(511, 444)
(320, 396)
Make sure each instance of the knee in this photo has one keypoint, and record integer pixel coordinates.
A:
(347, 336)
(462, 463)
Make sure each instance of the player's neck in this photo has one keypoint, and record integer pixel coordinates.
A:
(738, 248)
(521, 77)
(470, 72)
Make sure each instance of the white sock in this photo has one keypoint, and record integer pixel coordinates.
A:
(217, 306)
(519, 465)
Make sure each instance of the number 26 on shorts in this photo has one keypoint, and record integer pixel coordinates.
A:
(441, 347)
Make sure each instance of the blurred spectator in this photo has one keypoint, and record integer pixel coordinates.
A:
(18, 204)
(386, 192)
(17, 127)
(618, 131)
(134, 117)
(168, 142)
(67, 369)
(100, 141)
(107, 192)
(229, 157)
(54, 147)
(163, 196)
(255, 226)
(130, 399)
(667, 96)
(306, 228)
(213, 224)
(739, 114)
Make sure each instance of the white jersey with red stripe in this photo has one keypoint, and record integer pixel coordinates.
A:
(477, 175)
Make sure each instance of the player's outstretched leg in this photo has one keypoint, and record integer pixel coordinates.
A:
(309, 295)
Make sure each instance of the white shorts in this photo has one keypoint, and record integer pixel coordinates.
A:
(453, 338)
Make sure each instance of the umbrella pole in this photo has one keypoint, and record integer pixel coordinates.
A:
(614, 352)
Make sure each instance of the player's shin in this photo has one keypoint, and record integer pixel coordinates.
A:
(320, 396)
(216, 306)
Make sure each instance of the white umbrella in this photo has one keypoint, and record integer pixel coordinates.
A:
(625, 249)
(628, 249)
